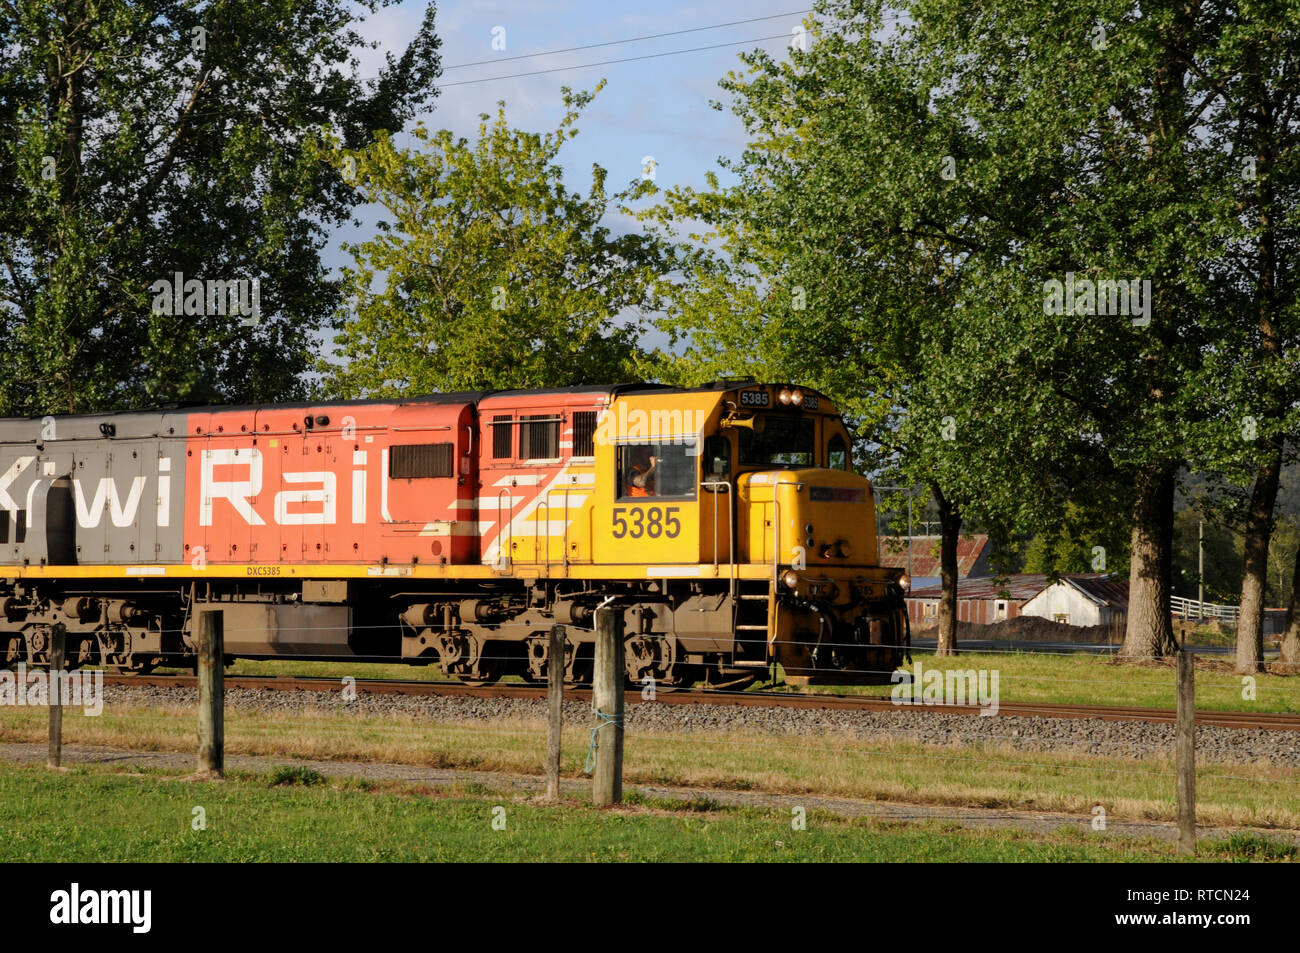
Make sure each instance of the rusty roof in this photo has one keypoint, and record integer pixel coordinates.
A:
(1018, 588)
(925, 553)
(1099, 587)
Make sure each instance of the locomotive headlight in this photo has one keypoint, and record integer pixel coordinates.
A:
(785, 396)
(796, 397)
(791, 579)
(905, 582)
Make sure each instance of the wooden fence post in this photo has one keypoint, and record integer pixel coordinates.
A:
(607, 702)
(555, 699)
(1185, 752)
(212, 692)
(58, 641)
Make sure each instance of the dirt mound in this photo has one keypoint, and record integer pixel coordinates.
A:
(1028, 628)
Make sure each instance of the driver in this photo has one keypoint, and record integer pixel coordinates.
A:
(641, 472)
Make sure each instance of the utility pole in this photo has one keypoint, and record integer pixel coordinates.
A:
(899, 489)
(1200, 572)
(909, 535)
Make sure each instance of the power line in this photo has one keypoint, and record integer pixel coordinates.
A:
(623, 59)
(206, 113)
(210, 112)
(631, 39)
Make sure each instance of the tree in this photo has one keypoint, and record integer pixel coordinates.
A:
(865, 249)
(1257, 68)
(493, 273)
(146, 139)
(1289, 660)
(1141, 110)
(1062, 299)
(1079, 542)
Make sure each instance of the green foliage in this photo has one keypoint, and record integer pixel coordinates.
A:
(915, 181)
(1069, 545)
(148, 138)
(846, 256)
(491, 274)
(1224, 544)
(294, 774)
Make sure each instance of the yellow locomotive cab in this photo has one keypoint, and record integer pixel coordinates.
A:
(749, 494)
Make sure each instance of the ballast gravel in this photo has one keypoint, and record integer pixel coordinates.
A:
(1094, 736)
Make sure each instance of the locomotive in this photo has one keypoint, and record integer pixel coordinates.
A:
(724, 523)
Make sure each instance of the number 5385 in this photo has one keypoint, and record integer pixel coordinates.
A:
(651, 522)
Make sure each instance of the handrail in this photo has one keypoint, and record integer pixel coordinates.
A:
(723, 486)
(502, 553)
(543, 502)
(776, 537)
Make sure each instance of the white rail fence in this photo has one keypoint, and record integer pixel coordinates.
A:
(1193, 609)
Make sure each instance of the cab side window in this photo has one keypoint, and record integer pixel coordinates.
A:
(655, 469)
(837, 453)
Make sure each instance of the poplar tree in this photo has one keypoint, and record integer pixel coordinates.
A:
(488, 272)
(145, 139)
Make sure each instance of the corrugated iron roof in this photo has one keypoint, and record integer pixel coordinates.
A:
(925, 553)
(1100, 587)
(1018, 588)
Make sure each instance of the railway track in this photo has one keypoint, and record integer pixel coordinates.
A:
(1272, 721)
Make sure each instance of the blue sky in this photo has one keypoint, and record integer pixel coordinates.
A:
(651, 107)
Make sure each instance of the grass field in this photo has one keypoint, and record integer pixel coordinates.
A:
(1075, 678)
(879, 768)
(103, 815)
(1079, 678)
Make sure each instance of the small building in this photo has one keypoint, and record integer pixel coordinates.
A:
(1081, 600)
(982, 600)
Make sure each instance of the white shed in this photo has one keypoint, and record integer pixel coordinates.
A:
(1081, 600)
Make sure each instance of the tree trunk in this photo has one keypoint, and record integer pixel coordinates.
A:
(1149, 633)
(1259, 522)
(1254, 579)
(950, 533)
(1290, 661)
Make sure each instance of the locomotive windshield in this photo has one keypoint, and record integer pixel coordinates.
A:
(779, 440)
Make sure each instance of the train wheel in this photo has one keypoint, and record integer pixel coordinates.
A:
(482, 678)
(730, 680)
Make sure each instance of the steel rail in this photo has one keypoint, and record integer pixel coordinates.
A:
(1271, 721)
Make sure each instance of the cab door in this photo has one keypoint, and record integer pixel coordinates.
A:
(649, 513)
(717, 501)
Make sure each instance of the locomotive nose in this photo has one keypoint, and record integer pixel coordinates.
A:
(839, 615)
(837, 519)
